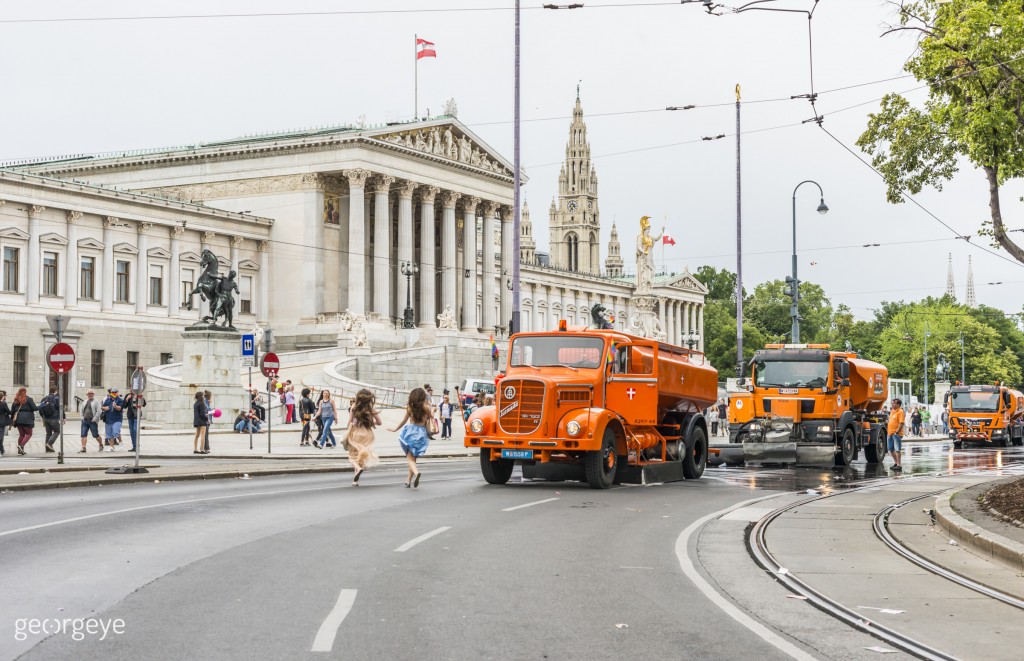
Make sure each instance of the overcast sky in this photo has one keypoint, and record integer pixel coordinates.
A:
(94, 86)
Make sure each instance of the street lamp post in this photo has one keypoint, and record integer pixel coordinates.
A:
(408, 270)
(57, 325)
(793, 283)
(963, 371)
(926, 334)
(690, 340)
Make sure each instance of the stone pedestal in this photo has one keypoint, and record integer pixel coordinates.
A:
(941, 388)
(211, 361)
(646, 322)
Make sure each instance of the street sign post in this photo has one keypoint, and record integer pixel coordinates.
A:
(248, 360)
(137, 387)
(61, 358)
(270, 365)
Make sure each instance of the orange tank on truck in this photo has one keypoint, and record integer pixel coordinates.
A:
(599, 406)
(811, 404)
(989, 414)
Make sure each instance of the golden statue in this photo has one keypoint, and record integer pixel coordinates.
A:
(644, 258)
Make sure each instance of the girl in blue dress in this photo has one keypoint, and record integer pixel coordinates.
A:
(413, 436)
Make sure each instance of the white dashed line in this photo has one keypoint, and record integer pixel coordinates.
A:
(324, 640)
(519, 507)
(422, 538)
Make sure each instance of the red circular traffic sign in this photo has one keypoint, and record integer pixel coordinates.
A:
(269, 364)
(60, 357)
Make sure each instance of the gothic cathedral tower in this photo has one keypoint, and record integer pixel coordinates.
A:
(575, 222)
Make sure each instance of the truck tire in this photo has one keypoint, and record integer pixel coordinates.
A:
(696, 458)
(495, 472)
(601, 464)
(847, 448)
(874, 451)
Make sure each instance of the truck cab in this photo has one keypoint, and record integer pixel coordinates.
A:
(987, 414)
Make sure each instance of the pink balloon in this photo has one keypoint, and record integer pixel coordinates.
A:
(216, 413)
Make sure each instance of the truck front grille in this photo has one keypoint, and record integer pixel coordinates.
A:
(520, 413)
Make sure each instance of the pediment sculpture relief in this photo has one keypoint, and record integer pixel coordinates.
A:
(443, 142)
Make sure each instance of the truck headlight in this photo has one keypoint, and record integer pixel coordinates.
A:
(825, 429)
(997, 432)
(573, 428)
(476, 426)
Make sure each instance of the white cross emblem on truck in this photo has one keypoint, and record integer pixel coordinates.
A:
(631, 392)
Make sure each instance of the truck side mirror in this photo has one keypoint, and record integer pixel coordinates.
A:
(844, 382)
(844, 372)
(1006, 398)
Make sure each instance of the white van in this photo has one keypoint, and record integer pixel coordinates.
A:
(470, 387)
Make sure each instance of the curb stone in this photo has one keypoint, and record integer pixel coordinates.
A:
(990, 544)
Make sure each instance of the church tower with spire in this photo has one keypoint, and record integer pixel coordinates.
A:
(950, 286)
(527, 246)
(969, 300)
(575, 222)
(613, 265)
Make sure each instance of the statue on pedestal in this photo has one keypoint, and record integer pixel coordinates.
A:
(217, 289)
(359, 338)
(645, 257)
(446, 320)
(942, 368)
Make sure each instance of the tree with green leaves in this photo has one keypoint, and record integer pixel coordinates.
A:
(768, 309)
(970, 54)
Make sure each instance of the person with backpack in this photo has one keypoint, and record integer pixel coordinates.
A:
(132, 405)
(51, 413)
(23, 414)
(90, 420)
(113, 416)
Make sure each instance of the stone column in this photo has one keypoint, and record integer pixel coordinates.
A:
(142, 268)
(487, 273)
(174, 277)
(35, 274)
(700, 326)
(205, 239)
(469, 320)
(107, 269)
(382, 246)
(236, 243)
(539, 312)
(263, 312)
(356, 244)
(448, 252)
(428, 260)
(71, 265)
(405, 248)
(507, 268)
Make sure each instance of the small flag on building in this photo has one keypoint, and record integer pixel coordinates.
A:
(667, 240)
(424, 49)
(494, 348)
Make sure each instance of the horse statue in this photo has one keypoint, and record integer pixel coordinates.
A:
(602, 317)
(211, 287)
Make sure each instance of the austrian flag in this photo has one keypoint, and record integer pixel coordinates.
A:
(667, 240)
(424, 48)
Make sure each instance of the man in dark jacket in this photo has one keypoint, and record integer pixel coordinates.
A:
(132, 404)
(50, 410)
(112, 409)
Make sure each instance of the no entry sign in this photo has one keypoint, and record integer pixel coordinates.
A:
(269, 364)
(60, 357)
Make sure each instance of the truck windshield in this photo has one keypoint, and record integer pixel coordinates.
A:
(790, 374)
(984, 402)
(546, 351)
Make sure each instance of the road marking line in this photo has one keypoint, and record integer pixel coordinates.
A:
(682, 553)
(422, 538)
(519, 507)
(324, 640)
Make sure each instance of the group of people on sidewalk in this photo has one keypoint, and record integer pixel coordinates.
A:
(20, 413)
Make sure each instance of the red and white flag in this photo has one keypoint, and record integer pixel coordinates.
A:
(667, 240)
(424, 48)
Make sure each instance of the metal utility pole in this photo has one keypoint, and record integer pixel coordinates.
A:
(963, 370)
(513, 324)
(926, 334)
(739, 249)
(793, 282)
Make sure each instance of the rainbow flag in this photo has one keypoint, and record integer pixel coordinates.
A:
(494, 348)
(611, 354)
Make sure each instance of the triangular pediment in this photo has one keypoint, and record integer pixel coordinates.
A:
(13, 233)
(189, 257)
(447, 139)
(684, 281)
(126, 248)
(249, 265)
(224, 262)
(159, 253)
(52, 237)
(90, 244)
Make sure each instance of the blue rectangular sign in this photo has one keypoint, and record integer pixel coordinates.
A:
(517, 454)
(248, 345)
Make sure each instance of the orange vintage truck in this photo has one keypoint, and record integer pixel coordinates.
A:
(600, 406)
(808, 404)
(992, 415)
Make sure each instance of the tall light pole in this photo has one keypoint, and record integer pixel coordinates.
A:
(408, 270)
(793, 283)
(513, 323)
(739, 249)
(926, 334)
(963, 371)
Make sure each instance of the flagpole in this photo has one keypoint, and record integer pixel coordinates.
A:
(415, 77)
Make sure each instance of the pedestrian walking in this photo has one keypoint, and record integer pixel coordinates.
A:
(52, 415)
(915, 421)
(24, 417)
(289, 404)
(363, 418)
(200, 421)
(306, 410)
(326, 412)
(5, 420)
(713, 419)
(945, 422)
(412, 437)
(926, 421)
(113, 417)
(446, 417)
(208, 399)
(132, 404)
(90, 420)
(895, 430)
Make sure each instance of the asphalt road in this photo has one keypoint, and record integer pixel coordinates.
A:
(293, 567)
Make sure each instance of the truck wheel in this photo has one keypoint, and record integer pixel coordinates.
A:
(601, 464)
(847, 448)
(495, 472)
(697, 457)
(874, 451)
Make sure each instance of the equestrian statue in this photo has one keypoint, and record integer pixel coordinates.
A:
(218, 290)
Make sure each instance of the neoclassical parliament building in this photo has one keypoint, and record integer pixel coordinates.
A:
(315, 223)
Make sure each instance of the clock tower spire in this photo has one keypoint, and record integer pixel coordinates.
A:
(574, 221)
